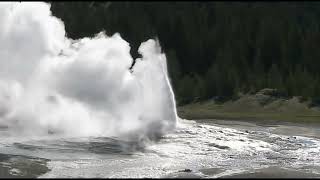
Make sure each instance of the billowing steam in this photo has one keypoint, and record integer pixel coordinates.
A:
(52, 84)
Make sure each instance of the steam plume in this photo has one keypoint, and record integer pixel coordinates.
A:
(50, 83)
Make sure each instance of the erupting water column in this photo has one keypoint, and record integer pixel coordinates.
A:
(50, 83)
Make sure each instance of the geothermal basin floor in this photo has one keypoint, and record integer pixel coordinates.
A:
(203, 149)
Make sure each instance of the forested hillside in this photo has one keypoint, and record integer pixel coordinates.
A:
(215, 49)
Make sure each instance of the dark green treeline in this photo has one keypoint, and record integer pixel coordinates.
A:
(215, 49)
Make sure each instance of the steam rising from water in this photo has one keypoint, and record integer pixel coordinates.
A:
(52, 84)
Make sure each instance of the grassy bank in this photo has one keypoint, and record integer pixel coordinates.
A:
(260, 106)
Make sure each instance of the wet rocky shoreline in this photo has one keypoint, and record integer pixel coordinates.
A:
(17, 166)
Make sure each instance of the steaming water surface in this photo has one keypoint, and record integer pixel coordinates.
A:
(209, 149)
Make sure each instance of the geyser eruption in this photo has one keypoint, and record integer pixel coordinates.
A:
(52, 84)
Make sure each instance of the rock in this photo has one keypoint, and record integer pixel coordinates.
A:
(218, 146)
(267, 95)
(271, 92)
(186, 170)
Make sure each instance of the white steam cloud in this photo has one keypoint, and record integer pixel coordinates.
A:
(50, 83)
